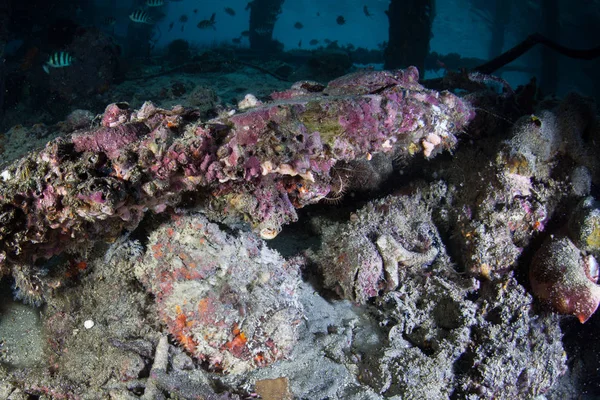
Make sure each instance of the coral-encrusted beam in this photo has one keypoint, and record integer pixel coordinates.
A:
(259, 165)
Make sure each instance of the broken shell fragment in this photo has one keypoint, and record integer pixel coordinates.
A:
(268, 233)
(565, 279)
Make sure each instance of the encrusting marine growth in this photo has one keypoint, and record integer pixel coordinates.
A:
(230, 301)
(257, 166)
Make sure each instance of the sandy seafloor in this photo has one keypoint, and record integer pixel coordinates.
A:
(439, 335)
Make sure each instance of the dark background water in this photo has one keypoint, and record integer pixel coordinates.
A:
(472, 29)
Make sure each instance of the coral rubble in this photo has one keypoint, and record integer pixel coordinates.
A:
(516, 190)
(443, 328)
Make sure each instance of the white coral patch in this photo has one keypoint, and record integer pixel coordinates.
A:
(249, 101)
(6, 175)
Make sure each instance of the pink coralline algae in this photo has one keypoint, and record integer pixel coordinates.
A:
(110, 140)
(115, 114)
(230, 301)
(369, 82)
(258, 166)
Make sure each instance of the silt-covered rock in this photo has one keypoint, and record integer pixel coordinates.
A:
(361, 258)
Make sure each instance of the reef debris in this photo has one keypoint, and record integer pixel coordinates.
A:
(446, 332)
(361, 259)
(258, 166)
(532, 177)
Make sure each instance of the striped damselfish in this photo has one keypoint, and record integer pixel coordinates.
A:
(141, 17)
(60, 59)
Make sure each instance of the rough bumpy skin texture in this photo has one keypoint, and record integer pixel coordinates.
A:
(363, 257)
(431, 270)
(500, 204)
(447, 334)
(258, 166)
(229, 301)
(514, 352)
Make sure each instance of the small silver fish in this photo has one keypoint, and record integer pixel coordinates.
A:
(60, 59)
(155, 3)
(141, 16)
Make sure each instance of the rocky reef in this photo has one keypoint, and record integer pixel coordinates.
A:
(430, 264)
(257, 166)
(450, 343)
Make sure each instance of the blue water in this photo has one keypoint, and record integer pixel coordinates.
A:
(459, 26)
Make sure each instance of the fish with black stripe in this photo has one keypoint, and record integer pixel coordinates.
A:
(141, 17)
(60, 59)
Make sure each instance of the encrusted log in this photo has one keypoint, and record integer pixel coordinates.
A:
(257, 166)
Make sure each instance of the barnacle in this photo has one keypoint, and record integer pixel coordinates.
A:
(338, 189)
(99, 181)
(28, 285)
(341, 173)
